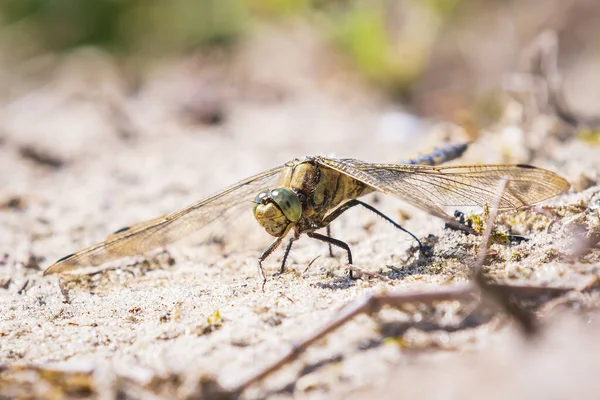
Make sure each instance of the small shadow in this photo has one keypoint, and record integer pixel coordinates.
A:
(336, 283)
(319, 364)
(41, 157)
(398, 329)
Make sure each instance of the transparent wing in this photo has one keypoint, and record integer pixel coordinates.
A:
(140, 238)
(429, 187)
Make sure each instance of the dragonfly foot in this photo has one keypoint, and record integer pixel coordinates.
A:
(278, 273)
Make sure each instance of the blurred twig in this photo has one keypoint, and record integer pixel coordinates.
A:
(544, 62)
(543, 78)
(369, 304)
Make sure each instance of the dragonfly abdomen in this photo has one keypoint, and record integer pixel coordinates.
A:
(438, 155)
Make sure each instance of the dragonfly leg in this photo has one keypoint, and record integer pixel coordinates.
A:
(335, 242)
(353, 203)
(285, 255)
(329, 234)
(266, 254)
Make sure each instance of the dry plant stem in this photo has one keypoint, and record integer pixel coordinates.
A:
(498, 293)
(485, 241)
(545, 55)
(310, 263)
(368, 304)
(23, 287)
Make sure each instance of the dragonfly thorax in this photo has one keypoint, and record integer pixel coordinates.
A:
(275, 210)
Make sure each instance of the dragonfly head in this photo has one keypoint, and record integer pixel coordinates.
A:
(276, 209)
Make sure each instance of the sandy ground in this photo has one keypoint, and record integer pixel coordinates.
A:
(80, 158)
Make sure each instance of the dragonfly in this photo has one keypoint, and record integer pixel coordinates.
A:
(310, 193)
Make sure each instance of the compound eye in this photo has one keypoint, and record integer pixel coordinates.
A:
(259, 198)
(288, 202)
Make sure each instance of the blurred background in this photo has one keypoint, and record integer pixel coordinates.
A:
(148, 86)
(213, 60)
(136, 88)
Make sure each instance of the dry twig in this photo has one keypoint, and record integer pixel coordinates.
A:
(369, 305)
